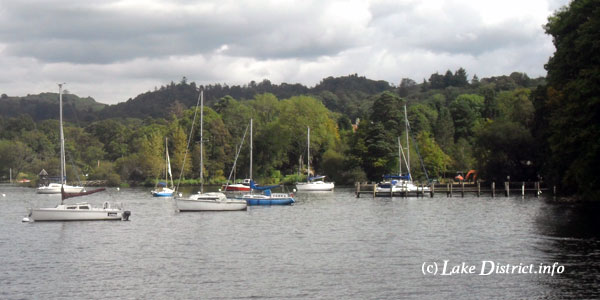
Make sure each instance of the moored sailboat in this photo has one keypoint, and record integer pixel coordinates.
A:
(213, 201)
(267, 198)
(315, 183)
(56, 188)
(162, 189)
(397, 182)
(79, 211)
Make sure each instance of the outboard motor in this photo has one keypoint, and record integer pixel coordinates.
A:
(126, 215)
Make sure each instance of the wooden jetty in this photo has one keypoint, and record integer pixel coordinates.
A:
(459, 189)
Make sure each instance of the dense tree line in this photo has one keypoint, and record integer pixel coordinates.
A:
(448, 134)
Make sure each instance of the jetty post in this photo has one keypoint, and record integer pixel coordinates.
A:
(523, 189)
(478, 188)
(462, 190)
(432, 190)
(493, 189)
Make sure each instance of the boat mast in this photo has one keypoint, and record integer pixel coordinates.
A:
(399, 157)
(407, 144)
(308, 154)
(62, 137)
(250, 149)
(166, 162)
(201, 141)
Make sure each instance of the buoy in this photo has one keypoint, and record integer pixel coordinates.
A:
(118, 188)
(26, 219)
(3, 195)
(180, 195)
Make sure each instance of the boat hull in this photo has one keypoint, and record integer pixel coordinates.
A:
(284, 199)
(56, 214)
(236, 188)
(210, 205)
(54, 188)
(314, 186)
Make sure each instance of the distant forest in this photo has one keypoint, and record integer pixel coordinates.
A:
(511, 125)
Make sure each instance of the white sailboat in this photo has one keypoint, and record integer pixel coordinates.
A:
(163, 190)
(315, 183)
(78, 211)
(400, 183)
(213, 201)
(55, 188)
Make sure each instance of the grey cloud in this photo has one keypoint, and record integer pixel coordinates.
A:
(92, 34)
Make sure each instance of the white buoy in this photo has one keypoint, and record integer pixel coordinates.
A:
(180, 195)
(26, 219)
(118, 188)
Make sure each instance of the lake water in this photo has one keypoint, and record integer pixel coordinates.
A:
(328, 245)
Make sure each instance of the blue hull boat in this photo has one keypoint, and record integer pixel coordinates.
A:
(162, 194)
(286, 201)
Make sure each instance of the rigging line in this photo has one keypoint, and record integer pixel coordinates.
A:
(188, 143)
(237, 155)
(74, 168)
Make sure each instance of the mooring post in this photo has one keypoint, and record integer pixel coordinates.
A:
(374, 189)
(432, 190)
(357, 189)
(538, 190)
(554, 190)
(451, 184)
(462, 190)
(523, 189)
(493, 189)
(506, 189)
(478, 188)
(447, 190)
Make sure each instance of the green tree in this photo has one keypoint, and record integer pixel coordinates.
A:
(444, 128)
(572, 102)
(466, 112)
(435, 160)
(505, 148)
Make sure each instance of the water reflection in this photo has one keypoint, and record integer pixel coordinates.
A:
(571, 236)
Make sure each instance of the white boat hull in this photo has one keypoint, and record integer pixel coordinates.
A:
(315, 186)
(54, 188)
(210, 202)
(60, 213)
(401, 188)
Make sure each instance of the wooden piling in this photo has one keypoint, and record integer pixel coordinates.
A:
(554, 190)
(506, 189)
(538, 189)
(493, 189)
(451, 184)
(375, 189)
(462, 190)
(523, 189)
(478, 188)
(432, 190)
(357, 189)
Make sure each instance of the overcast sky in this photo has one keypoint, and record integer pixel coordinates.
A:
(115, 50)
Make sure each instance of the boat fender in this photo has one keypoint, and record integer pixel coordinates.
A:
(126, 215)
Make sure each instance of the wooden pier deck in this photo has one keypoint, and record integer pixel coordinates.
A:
(459, 189)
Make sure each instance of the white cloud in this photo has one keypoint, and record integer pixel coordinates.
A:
(116, 50)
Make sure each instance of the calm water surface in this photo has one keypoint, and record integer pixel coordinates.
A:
(328, 245)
